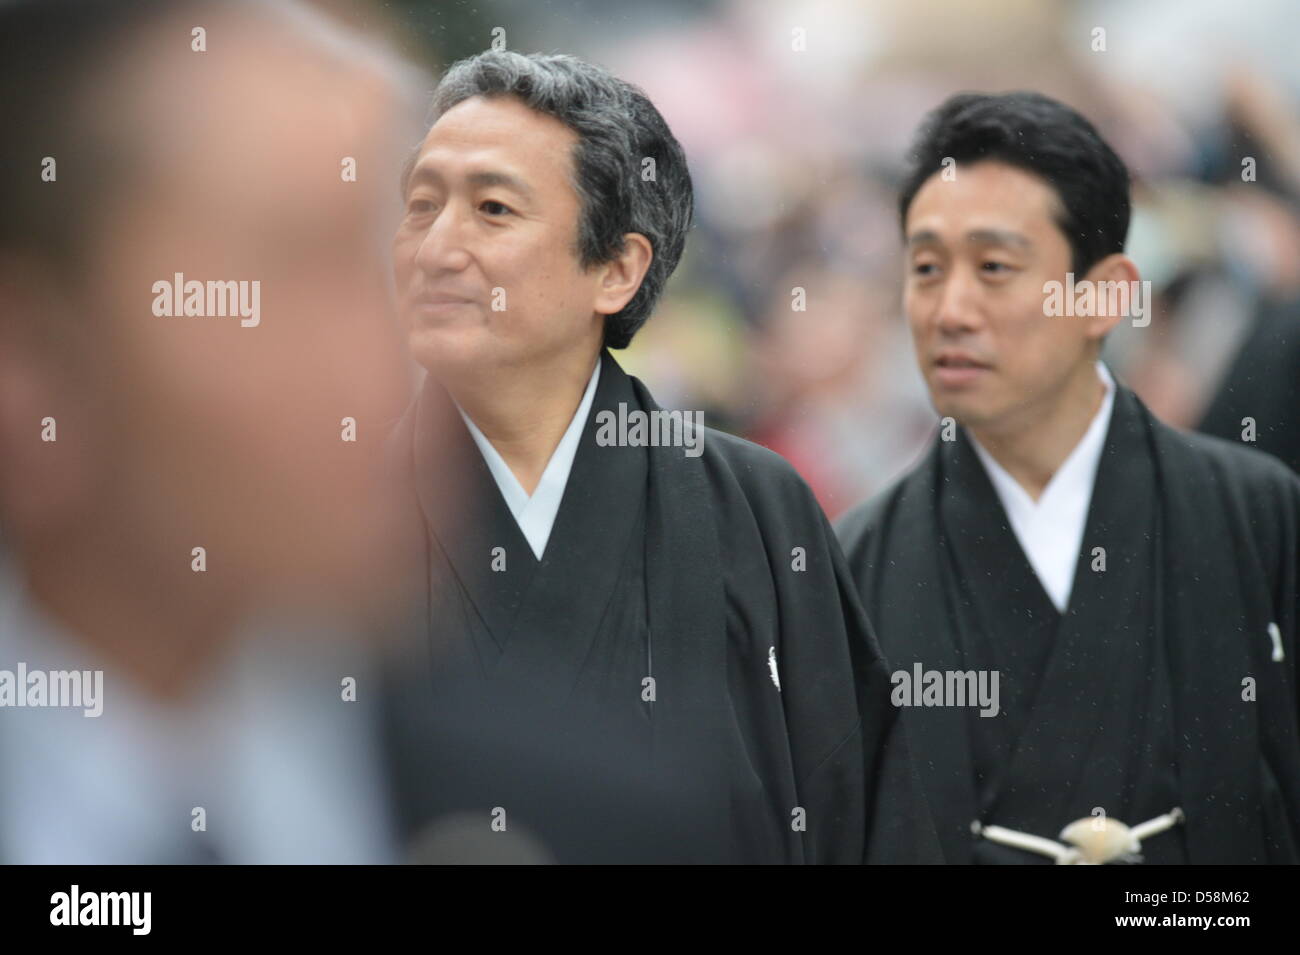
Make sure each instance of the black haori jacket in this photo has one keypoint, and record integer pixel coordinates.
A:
(1187, 643)
(717, 574)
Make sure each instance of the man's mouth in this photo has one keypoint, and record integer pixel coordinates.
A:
(439, 306)
(958, 360)
(956, 369)
(431, 300)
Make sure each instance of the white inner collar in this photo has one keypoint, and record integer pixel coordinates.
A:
(1050, 530)
(536, 514)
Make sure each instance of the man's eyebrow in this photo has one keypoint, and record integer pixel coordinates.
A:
(998, 237)
(976, 236)
(491, 177)
(479, 178)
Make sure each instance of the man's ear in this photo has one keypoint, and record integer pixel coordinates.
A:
(1129, 296)
(621, 276)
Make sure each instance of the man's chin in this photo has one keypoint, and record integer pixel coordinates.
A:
(448, 351)
(966, 412)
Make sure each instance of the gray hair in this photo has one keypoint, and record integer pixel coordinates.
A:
(618, 128)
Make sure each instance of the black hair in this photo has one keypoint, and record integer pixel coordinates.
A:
(1041, 136)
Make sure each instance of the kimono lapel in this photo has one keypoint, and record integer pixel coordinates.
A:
(687, 634)
(1007, 621)
(685, 603)
(1104, 675)
(467, 519)
(569, 592)
(922, 631)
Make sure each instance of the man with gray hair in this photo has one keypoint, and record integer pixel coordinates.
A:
(584, 549)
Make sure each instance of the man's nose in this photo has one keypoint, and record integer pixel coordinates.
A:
(445, 245)
(958, 310)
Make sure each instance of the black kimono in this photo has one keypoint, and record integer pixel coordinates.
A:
(1169, 681)
(697, 609)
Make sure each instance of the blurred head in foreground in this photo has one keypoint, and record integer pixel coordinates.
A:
(196, 349)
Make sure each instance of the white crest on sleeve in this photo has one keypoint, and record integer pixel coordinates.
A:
(771, 666)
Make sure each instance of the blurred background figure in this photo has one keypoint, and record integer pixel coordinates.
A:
(182, 505)
(796, 116)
